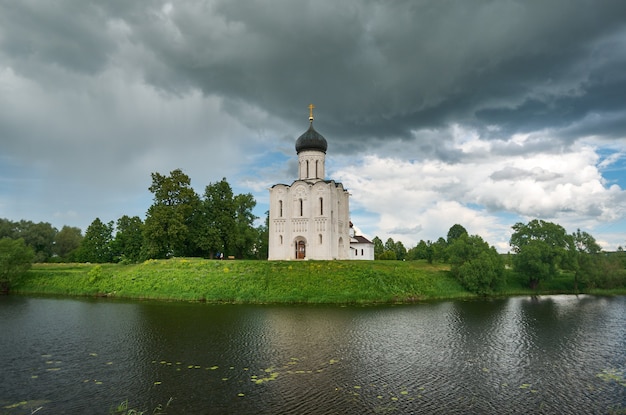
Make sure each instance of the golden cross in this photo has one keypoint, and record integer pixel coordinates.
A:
(311, 106)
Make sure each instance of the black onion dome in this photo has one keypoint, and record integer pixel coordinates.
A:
(311, 140)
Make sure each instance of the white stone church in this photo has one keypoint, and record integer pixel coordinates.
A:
(310, 219)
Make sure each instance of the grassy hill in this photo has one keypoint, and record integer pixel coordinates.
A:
(247, 281)
(194, 279)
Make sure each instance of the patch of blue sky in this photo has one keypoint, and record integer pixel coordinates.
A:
(364, 220)
(612, 165)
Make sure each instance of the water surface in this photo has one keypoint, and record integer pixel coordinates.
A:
(556, 354)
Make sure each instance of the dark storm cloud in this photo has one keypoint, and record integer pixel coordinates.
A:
(375, 70)
(66, 34)
(382, 70)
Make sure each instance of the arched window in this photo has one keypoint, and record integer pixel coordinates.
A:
(280, 208)
(316, 171)
(320, 238)
(280, 239)
(321, 206)
(307, 169)
(301, 208)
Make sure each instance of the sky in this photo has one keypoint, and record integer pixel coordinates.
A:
(436, 112)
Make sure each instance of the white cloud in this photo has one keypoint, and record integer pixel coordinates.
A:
(422, 199)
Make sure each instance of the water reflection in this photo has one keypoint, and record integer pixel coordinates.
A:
(549, 355)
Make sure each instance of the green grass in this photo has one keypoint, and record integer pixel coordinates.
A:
(193, 279)
(247, 281)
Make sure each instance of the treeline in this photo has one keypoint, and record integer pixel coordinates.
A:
(178, 223)
(540, 251)
(218, 223)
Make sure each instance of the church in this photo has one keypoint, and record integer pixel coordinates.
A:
(310, 219)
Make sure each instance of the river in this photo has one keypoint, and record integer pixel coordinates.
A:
(550, 354)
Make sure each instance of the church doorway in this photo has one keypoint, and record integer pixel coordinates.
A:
(300, 250)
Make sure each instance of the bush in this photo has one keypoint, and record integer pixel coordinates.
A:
(477, 266)
(15, 259)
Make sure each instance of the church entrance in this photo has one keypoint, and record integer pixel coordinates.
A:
(300, 250)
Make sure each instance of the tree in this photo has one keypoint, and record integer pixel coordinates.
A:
(166, 230)
(15, 259)
(39, 236)
(128, 242)
(379, 247)
(390, 245)
(585, 243)
(388, 255)
(589, 265)
(67, 242)
(390, 250)
(245, 233)
(7, 229)
(96, 245)
(455, 232)
(261, 246)
(217, 228)
(475, 264)
(541, 249)
(399, 250)
(419, 251)
(440, 250)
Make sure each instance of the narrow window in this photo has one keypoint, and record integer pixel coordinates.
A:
(280, 208)
(321, 206)
(316, 172)
(361, 252)
(301, 208)
(320, 238)
(280, 239)
(307, 169)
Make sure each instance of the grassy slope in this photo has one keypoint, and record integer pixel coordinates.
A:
(247, 281)
(257, 281)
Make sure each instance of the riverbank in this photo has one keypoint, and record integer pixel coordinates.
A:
(194, 279)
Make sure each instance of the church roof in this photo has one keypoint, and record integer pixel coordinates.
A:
(362, 239)
(311, 140)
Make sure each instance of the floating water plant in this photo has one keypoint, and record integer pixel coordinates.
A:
(613, 375)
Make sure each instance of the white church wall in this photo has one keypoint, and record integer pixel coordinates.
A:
(312, 211)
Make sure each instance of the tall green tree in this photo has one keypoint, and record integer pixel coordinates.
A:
(128, 242)
(589, 264)
(261, 246)
(475, 264)
(419, 251)
(8, 229)
(67, 242)
(389, 252)
(166, 230)
(440, 250)
(245, 234)
(399, 250)
(39, 236)
(455, 232)
(15, 259)
(221, 223)
(390, 245)
(379, 247)
(541, 248)
(96, 245)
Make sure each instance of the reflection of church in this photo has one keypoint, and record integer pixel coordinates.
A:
(311, 218)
